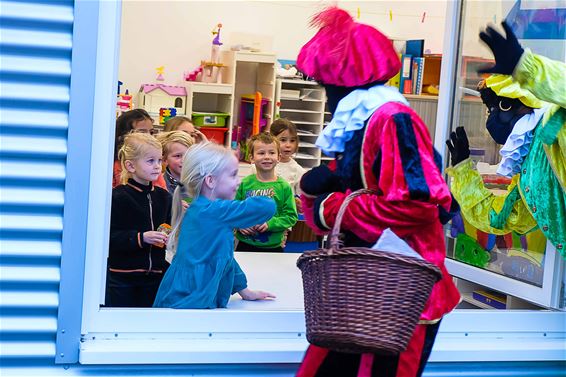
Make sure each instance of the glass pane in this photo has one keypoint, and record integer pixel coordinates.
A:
(519, 256)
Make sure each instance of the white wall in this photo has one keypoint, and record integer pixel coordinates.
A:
(177, 34)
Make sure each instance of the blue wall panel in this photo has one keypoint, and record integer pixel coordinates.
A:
(35, 72)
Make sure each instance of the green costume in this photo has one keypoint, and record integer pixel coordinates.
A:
(536, 197)
(285, 217)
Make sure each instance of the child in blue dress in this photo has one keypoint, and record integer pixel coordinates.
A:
(204, 273)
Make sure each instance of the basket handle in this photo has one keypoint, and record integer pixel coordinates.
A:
(334, 234)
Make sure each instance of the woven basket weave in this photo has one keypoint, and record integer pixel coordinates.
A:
(362, 300)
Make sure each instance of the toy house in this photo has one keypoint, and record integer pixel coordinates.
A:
(153, 97)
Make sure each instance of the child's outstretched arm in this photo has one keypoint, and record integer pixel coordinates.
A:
(249, 295)
(240, 214)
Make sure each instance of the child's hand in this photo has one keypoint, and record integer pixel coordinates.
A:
(248, 231)
(156, 238)
(184, 204)
(198, 136)
(249, 295)
(299, 205)
(261, 228)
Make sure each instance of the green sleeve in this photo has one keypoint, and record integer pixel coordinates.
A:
(495, 214)
(240, 194)
(286, 217)
(545, 78)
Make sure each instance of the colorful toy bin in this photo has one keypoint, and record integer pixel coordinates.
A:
(215, 134)
(209, 119)
(246, 118)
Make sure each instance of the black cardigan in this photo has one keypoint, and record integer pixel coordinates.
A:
(132, 204)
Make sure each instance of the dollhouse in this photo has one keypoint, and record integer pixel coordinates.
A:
(153, 97)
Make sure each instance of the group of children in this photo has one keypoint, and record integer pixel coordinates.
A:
(177, 177)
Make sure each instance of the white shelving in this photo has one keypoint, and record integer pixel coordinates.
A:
(302, 102)
(210, 98)
(467, 289)
(249, 72)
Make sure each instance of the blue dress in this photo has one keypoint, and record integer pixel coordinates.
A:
(204, 273)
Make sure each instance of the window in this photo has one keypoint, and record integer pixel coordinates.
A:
(242, 334)
(178, 102)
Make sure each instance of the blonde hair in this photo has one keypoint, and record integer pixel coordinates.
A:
(173, 123)
(200, 161)
(265, 138)
(135, 146)
(166, 138)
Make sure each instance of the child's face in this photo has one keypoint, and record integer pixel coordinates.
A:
(227, 181)
(147, 168)
(174, 158)
(187, 127)
(265, 156)
(288, 144)
(145, 125)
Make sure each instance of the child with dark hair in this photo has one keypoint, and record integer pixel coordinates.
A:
(286, 132)
(136, 120)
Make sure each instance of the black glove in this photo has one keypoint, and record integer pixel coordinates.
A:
(458, 146)
(320, 180)
(507, 52)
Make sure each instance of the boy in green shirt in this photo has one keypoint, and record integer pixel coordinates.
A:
(269, 236)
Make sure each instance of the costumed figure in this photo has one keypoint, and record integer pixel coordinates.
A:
(381, 144)
(533, 134)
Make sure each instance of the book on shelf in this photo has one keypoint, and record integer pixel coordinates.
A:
(406, 74)
(418, 85)
(414, 47)
(394, 81)
(493, 299)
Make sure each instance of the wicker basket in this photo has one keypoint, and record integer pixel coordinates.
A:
(363, 300)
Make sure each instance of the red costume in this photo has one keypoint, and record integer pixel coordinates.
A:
(391, 153)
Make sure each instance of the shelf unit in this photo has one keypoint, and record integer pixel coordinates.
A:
(467, 289)
(303, 103)
(249, 72)
(210, 98)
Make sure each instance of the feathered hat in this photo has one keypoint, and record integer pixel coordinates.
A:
(346, 53)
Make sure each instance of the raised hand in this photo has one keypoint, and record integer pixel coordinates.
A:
(506, 51)
(458, 146)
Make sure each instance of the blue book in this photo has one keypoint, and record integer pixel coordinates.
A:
(415, 47)
(492, 299)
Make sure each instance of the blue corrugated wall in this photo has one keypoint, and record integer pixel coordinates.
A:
(35, 72)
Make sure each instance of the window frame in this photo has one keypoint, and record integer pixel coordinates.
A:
(121, 336)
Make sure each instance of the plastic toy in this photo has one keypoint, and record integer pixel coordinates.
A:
(216, 44)
(152, 97)
(193, 75)
(212, 70)
(125, 102)
(160, 73)
(253, 119)
(165, 113)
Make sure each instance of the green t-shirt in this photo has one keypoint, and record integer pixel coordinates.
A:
(285, 217)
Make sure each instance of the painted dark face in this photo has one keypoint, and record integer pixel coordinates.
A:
(500, 124)
(504, 113)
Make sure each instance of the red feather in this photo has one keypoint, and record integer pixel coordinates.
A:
(337, 24)
(334, 16)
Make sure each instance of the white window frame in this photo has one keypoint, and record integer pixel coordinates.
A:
(165, 336)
